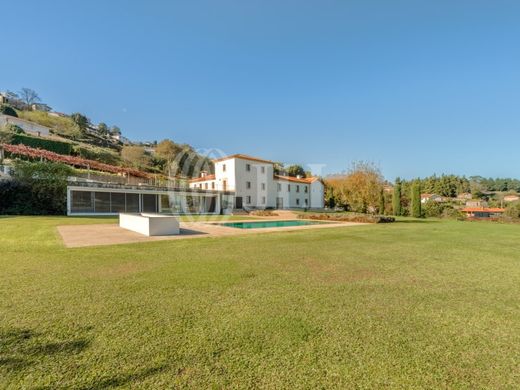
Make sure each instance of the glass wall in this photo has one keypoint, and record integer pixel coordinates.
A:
(116, 202)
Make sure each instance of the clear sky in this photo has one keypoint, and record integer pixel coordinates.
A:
(417, 87)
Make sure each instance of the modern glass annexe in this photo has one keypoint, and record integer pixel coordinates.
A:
(84, 198)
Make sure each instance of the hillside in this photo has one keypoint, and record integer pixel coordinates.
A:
(76, 137)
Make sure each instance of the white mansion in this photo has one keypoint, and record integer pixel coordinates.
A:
(255, 185)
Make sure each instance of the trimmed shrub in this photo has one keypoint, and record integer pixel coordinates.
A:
(263, 213)
(42, 143)
(350, 217)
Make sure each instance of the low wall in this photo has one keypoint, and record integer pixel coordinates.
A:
(150, 224)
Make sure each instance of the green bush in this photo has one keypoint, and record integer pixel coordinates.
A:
(37, 188)
(6, 109)
(42, 143)
(512, 211)
(15, 197)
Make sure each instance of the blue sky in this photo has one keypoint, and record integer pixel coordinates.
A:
(417, 87)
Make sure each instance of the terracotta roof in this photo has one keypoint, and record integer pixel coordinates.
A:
(205, 178)
(306, 180)
(483, 209)
(243, 157)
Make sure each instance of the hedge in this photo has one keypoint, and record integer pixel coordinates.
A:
(42, 143)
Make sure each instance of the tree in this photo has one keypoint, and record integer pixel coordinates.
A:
(168, 150)
(382, 201)
(330, 197)
(359, 190)
(81, 121)
(6, 109)
(416, 199)
(396, 198)
(114, 130)
(29, 96)
(102, 128)
(295, 170)
(278, 168)
(134, 155)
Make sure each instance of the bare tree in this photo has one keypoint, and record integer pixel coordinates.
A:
(29, 96)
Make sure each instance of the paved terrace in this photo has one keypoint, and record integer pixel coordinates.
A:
(75, 236)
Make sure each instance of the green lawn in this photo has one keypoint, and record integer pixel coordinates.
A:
(405, 305)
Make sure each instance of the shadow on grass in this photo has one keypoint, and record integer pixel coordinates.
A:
(18, 348)
(123, 379)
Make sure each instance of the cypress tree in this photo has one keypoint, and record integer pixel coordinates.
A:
(396, 198)
(382, 202)
(416, 200)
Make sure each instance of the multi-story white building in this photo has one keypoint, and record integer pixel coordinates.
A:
(255, 184)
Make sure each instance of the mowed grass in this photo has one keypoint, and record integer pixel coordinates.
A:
(405, 305)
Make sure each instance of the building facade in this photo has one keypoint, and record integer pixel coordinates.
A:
(256, 186)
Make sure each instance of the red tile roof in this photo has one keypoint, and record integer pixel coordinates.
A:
(483, 209)
(306, 180)
(204, 178)
(243, 157)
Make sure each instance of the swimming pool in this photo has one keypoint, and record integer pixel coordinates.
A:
(269, 224)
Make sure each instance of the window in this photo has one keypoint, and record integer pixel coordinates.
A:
(248, 199)
(82, 202)
(263, 199)
(297, 188)
(102, 202)
(223, 167)
(132, 203)
(288, 188)
(297, 202)
(262, 169)
(306, 189)
(212, 185)
(248, 167)
(278, 187)
(149, 203)
(263, 186)
(206, 186)
(248, 185)
(117, 202)
(306, 202)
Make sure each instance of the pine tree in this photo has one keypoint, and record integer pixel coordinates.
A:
(396, 198)
(416, 199)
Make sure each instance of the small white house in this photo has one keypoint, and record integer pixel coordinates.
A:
(256, 186)
(27, 126)
(431, 198)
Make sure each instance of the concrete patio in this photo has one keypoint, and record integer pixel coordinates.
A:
(75, 236)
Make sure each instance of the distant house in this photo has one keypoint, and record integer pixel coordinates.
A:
(476, 203)
(464, 196)
(27, 126)
(431, 198)
(511, 198)
(483, 212)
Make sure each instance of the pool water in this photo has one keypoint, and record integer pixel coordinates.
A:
(269, 224)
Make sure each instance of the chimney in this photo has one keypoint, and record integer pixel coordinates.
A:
(203, 173)
(298, 176)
